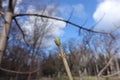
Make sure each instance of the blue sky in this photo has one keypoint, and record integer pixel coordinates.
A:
(94, 10)
(90, 10)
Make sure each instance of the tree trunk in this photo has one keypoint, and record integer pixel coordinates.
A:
(97, 69)
(29, 76)
(80, 75)
(16, 76)
(117, 66)
(0, 8)
(31, 63)
(106, 66)
(59, 74)
(6, 27)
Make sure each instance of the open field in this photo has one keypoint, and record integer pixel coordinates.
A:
(84, 78)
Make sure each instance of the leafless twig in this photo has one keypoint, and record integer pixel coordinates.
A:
(98, 21)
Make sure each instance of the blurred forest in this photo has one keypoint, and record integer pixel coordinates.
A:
(26, 56)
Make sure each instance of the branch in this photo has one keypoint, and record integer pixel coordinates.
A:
(98, 21)
(116, 73)
(66, 21)
(21, 31)
(18, 72)
(105, 67)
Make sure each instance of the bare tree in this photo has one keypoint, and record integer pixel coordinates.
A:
(35, 41)
(6, 27)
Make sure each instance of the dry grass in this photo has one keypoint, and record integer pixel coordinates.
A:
(84, 78)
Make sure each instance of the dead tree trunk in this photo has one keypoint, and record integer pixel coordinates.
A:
(106, 66)
(6, 27)
(117, 66)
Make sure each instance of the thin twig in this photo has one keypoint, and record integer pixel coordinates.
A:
(98, 21)
(82, 25)
(43, 13)
(69, 17)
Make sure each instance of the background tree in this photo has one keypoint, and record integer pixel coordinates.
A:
(27, 55)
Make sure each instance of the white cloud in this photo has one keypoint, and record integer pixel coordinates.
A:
(19, 1)
(110, 9)
(55, 28)
(100, 1)
(18, 8)
(78, 10)
(5, 3)
(65, 10)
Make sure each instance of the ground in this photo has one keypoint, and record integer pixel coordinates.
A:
(84, 78)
